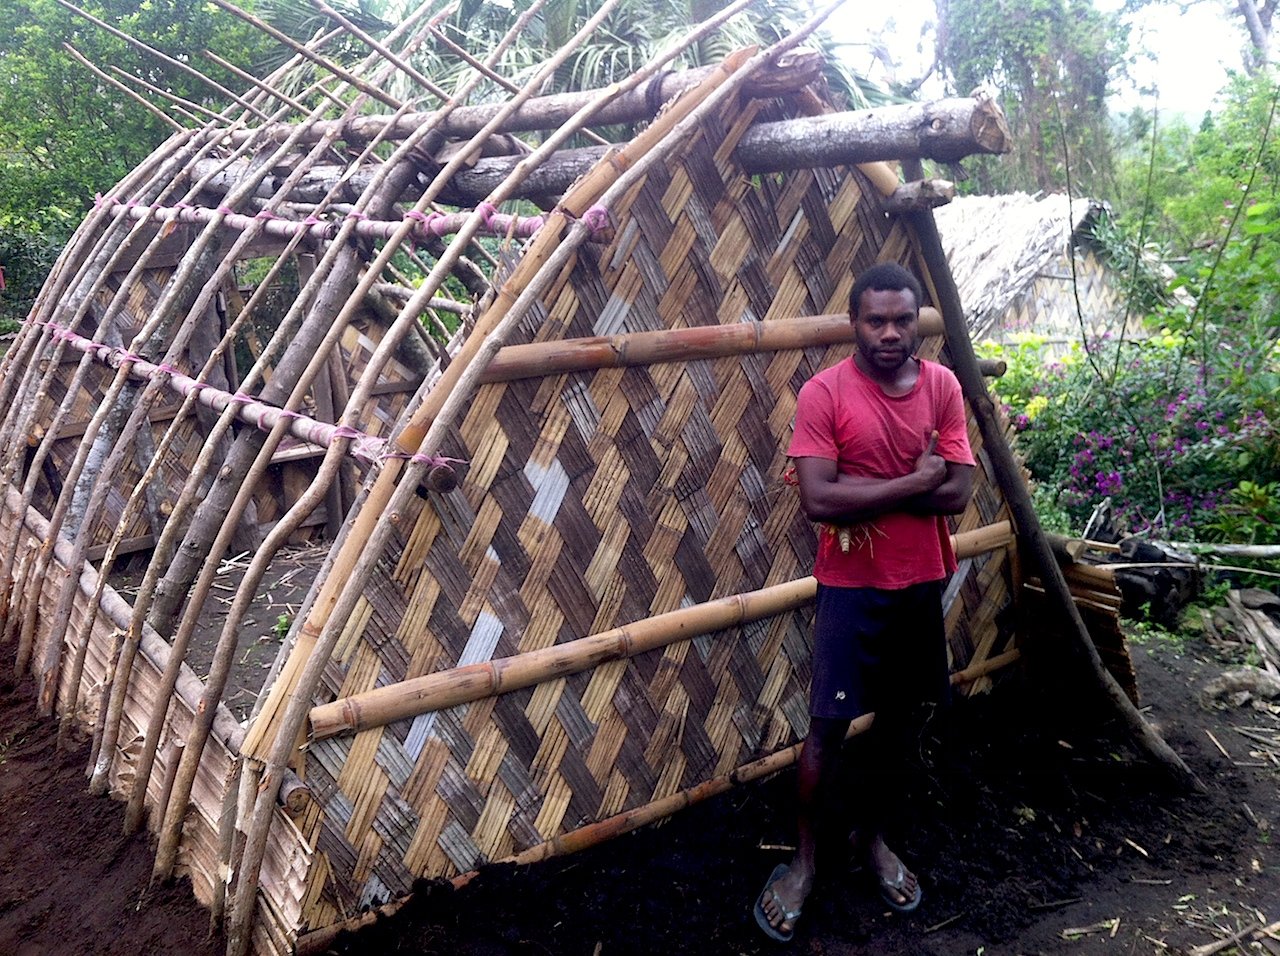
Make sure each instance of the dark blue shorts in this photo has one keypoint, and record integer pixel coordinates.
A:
(875, 650)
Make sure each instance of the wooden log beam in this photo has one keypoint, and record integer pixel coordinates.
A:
(460, 685)
(540, 359)
(944, 130)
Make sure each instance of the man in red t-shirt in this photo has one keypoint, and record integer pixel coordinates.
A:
(881, 453)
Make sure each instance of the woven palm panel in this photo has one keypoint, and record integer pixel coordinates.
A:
(592, 500)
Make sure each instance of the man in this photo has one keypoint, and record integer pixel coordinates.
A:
(881, 453)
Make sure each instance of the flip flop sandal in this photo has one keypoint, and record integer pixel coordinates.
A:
(788, 916)
(890, 887)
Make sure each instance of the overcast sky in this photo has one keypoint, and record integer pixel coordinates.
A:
(1185, 56)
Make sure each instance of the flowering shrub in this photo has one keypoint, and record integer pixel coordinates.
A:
(1167, 429)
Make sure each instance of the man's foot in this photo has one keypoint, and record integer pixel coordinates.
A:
(779, 904)
(899, 887)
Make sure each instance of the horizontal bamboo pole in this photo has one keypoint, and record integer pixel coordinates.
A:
(983, 668)
(540, 359)
(460, 685)
(314, 943)
(261, 415)
(425, 225)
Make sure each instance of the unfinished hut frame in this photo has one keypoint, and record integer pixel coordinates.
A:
(561, 587)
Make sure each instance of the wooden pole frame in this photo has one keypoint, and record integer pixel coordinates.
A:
(1032, 539)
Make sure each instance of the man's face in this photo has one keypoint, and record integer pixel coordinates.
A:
(886, 327)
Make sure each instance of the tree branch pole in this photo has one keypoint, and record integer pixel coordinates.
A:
(1032, 538)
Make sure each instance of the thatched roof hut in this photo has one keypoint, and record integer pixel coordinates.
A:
(1029, 265)
(560, 586)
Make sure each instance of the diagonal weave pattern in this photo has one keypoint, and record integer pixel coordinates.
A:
(600, 498)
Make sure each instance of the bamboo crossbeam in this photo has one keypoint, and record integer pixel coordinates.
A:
(428, 225)
(260, 415)
(540, 359)
(983, 668)
(430, 692)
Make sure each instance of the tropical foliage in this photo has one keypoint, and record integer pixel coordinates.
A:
(1180, 430)
(66, 133)
(1051, 64)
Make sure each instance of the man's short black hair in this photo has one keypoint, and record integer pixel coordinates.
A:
(885, 277)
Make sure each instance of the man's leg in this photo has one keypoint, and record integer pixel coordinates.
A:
(878, 761)
(819, 755)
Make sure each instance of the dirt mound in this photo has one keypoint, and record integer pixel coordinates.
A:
(70, 882)
(1029, 839)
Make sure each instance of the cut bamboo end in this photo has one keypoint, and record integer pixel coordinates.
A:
(882, 176)
(992, 368)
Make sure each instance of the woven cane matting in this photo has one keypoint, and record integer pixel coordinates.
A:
(600, 498)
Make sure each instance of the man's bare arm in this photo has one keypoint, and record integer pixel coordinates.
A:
(949, 498)
(826, 495)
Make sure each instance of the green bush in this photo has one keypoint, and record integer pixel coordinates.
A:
(1176, 442)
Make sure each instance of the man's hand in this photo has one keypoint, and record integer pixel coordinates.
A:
(931, 466)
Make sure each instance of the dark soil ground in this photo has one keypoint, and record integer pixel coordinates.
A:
(1030, 837)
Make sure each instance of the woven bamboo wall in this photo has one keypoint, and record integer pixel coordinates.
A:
(599, 498)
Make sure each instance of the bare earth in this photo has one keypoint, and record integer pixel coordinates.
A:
(1030, 835)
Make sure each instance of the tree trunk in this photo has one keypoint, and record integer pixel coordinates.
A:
(944, 130)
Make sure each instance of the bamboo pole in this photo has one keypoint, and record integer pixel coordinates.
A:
(431, 692)
(542, 359)
(168, 60)
(422, 227)
(992, 664)
(1009, 475)
(460, 685)
(131, 94)
(304, 51)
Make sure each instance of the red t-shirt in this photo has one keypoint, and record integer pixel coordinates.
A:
(843, 415)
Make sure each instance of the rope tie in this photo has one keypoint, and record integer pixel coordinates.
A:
(596, 219)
